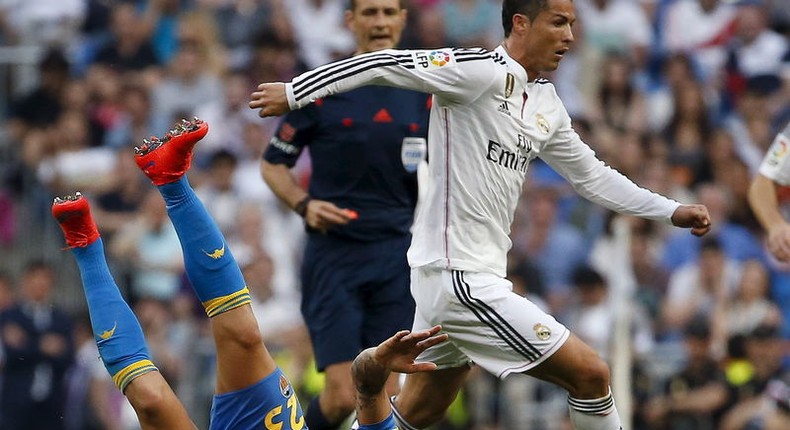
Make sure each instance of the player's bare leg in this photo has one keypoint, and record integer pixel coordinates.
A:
(116, 330)
(242, 359)
(425, 397)
(578, 368)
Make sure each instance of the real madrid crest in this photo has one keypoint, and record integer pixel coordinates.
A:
(543, 125)
(510, 83)
(542, 331)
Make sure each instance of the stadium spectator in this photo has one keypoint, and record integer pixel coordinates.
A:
(151, 245)
(41, 107)
(737, 242)
(693, 398)
(703, 287)
(758, 395)
(470, 22)
(129, 48)
(38, 348)
(756, 49)
(193, 77)
(591, 315)
(618, 103)
(700, 29)
(325, 38)
(553, 245)
(750, 305)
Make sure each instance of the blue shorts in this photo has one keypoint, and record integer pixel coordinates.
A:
(271, 403)
(354, 295)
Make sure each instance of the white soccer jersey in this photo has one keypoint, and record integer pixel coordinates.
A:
(487, 123)
(776, 164)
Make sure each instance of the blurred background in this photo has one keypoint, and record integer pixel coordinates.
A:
(682, 96)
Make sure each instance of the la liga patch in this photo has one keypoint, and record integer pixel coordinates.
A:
(433, 60)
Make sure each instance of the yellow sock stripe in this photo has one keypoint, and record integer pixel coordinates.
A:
(128, 373)
(222, 304)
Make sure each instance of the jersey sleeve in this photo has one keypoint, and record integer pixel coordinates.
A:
(776, 163)
(293, 134)
(457, 75)
(594, 180)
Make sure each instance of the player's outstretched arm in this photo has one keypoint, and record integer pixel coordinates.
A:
(372, 367)
(764, 203)
(695, 217)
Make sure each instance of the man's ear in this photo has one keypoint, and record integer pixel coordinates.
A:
(348, 17)
(521, 23)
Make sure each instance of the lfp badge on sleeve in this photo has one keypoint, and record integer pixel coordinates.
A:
(412, 152)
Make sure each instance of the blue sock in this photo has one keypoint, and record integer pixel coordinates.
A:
(115, 328)
(210, 266)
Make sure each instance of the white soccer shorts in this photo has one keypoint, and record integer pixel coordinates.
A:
(487, 323)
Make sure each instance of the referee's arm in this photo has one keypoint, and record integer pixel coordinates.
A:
(282, 183)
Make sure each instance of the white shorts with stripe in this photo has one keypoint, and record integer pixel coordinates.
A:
(487, 323)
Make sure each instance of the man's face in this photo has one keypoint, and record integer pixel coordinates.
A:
(548, 37)
(376, 24)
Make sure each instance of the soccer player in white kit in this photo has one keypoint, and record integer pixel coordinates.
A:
(492, 114)
(774, 172)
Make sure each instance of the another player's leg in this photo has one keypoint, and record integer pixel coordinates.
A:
(251, 391)
(117, 332)
(578, 368)
(242, 359)
(425, 397)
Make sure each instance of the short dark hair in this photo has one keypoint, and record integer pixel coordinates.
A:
(530, 8)
(352, 4)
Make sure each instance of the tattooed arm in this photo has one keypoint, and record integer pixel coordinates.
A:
(372, 367)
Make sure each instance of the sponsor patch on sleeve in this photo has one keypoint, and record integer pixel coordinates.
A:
(432, 60)
(779, 151)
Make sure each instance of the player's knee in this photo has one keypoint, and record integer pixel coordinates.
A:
(150, 400)
(244, 333)
(591, 380)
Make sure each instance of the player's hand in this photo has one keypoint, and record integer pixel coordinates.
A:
(322, 215)
(399, 352)
(270, 100)
(779, 241)
(695, 217)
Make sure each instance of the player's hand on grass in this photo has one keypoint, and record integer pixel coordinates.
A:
(399, 352)
(270, 100)
(695, 217)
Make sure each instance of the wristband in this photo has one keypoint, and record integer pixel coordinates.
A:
(301, 207)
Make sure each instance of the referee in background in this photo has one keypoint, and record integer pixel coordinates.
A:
(364, 147)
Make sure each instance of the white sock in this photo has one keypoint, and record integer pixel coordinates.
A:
(594, 414)
(402, 423)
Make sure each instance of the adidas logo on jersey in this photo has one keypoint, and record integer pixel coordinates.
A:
(504, 109)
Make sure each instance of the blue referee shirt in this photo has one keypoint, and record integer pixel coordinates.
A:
(355, 141)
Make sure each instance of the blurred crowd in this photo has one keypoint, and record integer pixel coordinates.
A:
(682, 96)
